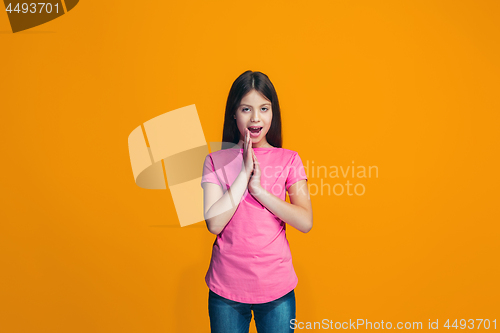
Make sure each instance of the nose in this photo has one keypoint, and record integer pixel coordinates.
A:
(255, 116)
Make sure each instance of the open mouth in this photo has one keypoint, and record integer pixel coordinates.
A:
(255, 130)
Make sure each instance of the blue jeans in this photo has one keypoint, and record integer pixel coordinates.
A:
(228, 316)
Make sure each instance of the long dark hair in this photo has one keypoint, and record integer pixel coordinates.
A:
(241, 86)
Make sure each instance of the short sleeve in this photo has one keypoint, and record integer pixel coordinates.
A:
(296, 171)
(209, 175)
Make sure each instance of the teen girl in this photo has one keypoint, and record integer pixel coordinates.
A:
(244, 204)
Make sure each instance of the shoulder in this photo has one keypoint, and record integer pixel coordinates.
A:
(224, 153)
(224, 156)
(284, 157)
(287, 153)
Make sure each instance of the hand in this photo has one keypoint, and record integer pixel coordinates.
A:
(254, 185)
(248, 154)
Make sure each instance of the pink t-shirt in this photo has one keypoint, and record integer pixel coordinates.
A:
(251, 259)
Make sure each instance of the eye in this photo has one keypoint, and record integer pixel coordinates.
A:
(245, 109)
(265, 108)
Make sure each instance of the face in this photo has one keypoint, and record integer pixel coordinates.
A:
(254, 111)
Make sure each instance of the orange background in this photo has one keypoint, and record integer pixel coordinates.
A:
(409, 87)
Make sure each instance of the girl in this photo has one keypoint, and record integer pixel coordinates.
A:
(244, 204)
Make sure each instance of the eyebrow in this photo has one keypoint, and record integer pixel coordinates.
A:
(250, 105)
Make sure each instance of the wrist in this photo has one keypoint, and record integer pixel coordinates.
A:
(245, 174)
(256, 190)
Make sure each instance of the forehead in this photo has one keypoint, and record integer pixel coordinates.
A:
(254, 98)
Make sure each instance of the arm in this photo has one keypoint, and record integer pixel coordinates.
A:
(298, 213)
(219, 208)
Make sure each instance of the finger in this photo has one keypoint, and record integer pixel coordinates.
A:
(246, 139)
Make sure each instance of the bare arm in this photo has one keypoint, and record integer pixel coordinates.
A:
(298, 213)
(219, 208)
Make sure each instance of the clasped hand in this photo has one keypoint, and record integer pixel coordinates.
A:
(251, 166)
(254, 185)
